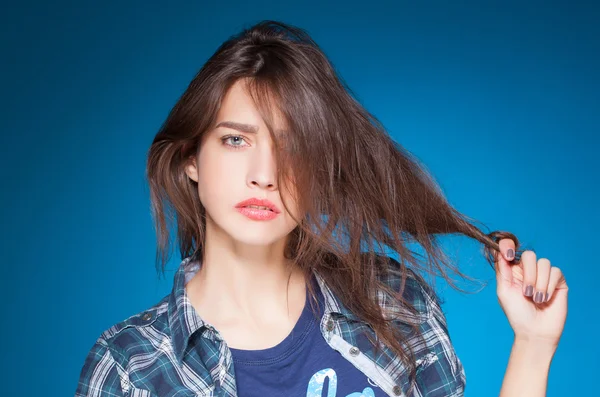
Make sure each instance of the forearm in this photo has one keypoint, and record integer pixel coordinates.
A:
(527, 370)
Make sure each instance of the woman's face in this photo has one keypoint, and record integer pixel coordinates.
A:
(236, 162)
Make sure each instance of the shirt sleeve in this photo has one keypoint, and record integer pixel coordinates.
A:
(100, 375)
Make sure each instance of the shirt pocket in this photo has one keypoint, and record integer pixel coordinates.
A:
(426, 361)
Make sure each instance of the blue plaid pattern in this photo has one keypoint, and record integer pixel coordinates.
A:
(169, 351)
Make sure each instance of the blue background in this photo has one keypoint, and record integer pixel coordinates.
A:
(499, 100)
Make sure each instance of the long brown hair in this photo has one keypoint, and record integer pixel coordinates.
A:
(360, 190)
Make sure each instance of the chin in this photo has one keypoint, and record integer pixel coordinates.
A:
(252, 233)
(245, 235)
(255, 243)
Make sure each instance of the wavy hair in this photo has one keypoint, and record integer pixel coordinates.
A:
(359, 190)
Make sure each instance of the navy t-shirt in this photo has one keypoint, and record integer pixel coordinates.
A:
(303, 364)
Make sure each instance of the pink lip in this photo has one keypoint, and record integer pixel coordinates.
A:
(255, 213)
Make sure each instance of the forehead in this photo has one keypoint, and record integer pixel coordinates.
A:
(240, 106)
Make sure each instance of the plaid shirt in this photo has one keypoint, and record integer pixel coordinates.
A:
(170, 351)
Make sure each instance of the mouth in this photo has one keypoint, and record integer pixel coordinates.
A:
(257, 212)
(258, 204)
(258, 207)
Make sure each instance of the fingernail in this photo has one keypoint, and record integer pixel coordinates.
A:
(529, 290)
(510, 254)
(539, 297)
(546, 297)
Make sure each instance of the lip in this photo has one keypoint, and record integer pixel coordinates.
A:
(258, 214)
(259, 202)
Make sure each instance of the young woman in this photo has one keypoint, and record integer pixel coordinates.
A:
(284, 192)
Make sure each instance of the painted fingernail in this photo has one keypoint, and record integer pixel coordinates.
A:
(539, 297)
(510, 254)
(547, 297)
(529, 290)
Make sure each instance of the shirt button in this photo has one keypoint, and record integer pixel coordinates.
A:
(354, 351)
(147, 316)
(329, 325)
(397, 390)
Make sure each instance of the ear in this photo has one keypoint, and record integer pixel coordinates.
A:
(191, 170)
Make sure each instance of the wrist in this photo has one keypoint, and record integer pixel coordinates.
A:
(537, 342)
(528, 367)
(541, 350)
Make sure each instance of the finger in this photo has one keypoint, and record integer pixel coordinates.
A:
(541, 282)
(507, 248)
(529, 264)
(556, 277)
(507, 253)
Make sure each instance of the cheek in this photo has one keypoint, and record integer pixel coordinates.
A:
(217, 178)
(293, 212)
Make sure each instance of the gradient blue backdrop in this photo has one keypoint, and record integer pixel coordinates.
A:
(500, 101)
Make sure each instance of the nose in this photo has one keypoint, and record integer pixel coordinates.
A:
(261, 172)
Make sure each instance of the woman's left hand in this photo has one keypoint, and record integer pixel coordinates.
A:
(532, 294)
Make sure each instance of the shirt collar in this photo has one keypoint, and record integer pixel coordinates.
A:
(332, 304)
(184, 320)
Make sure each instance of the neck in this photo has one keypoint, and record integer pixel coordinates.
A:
(241, 281)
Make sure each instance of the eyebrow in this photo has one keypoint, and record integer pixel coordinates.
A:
(247, 128)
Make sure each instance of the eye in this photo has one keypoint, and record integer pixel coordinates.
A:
(234, 140)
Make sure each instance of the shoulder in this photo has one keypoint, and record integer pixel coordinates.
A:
(436, 357)
(105, 369)
(137, 331)
(142, 319)
(135, 334)
(413, 287)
